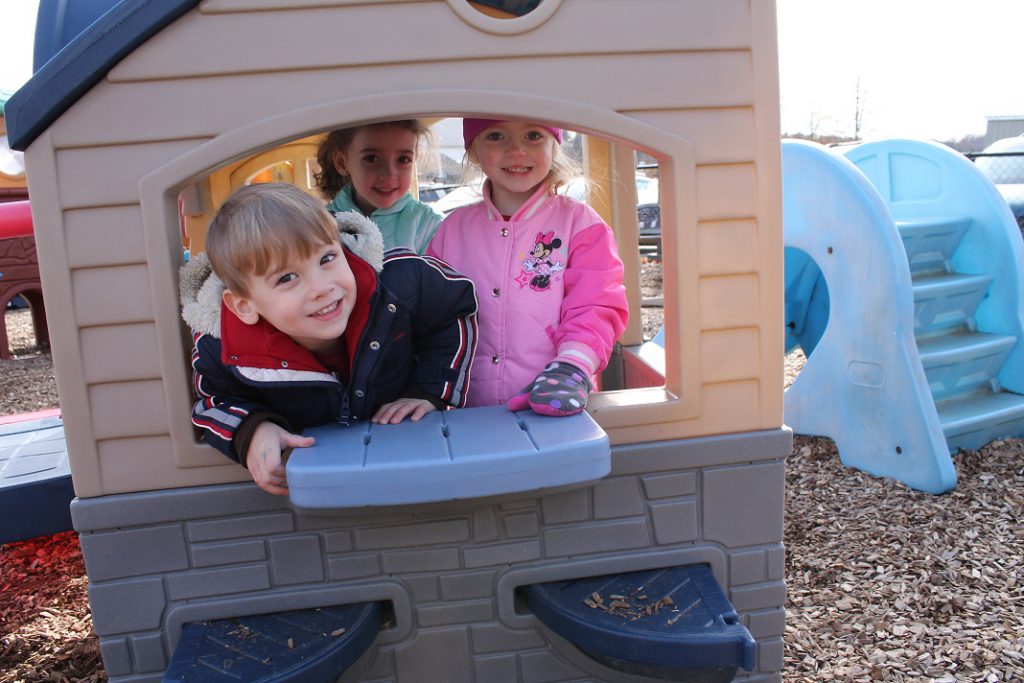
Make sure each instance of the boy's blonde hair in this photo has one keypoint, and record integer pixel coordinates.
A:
(261, 227)
(329, 180)
(564, 169)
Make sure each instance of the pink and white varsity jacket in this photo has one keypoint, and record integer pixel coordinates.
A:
(548, 281)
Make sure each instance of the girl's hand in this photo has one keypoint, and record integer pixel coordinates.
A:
(396, 411)
(263, 459)
(560, 390)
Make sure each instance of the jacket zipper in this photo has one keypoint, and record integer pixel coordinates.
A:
(344, 418)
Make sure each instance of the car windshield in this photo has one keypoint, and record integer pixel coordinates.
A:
(646, 190)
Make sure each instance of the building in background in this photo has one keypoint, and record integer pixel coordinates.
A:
(1000, 127)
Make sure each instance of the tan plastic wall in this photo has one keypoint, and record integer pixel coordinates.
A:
(693, 82)
(293, 162)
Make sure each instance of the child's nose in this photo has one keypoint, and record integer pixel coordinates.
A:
(321, 286)
(516, 147)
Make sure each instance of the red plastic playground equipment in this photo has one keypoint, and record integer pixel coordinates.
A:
(19, 270)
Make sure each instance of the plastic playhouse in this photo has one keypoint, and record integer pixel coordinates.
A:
(653, 550)
(904, 287)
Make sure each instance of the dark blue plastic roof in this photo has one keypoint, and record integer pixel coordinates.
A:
(73, 65)
(59, 21)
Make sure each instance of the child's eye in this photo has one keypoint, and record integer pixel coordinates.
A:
(286, 278)
(404, 159)
(370, 159)
(494, 136)
(327, 258)
(534, 135)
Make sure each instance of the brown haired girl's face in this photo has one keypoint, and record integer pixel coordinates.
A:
(380, 163)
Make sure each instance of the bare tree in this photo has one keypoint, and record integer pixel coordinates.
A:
(813, 125)
(858, 110)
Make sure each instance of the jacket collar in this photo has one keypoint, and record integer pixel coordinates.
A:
(346, 201)
(528, 210)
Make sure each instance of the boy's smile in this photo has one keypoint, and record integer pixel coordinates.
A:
(309, 299)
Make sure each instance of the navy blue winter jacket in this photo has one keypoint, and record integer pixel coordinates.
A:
(412, 333)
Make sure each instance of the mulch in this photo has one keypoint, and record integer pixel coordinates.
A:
(889, 584)
(883, 583)
(45, 623)
(27, 382)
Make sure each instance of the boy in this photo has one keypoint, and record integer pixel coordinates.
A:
(299, 325)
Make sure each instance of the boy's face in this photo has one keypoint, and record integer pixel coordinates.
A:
(309, 299)
(380, 162)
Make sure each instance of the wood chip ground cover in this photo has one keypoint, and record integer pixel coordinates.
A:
(883, 583)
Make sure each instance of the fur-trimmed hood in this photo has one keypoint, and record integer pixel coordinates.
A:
(201, 289)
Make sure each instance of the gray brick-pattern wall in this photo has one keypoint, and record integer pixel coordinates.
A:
(161, 559)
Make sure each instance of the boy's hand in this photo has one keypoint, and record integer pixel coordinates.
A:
(263, 459)
(396, 411)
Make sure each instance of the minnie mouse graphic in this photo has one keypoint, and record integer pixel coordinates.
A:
(539, 266)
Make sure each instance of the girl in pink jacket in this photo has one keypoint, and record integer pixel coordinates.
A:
(545, 267)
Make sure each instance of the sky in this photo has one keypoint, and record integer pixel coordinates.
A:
(926, 68)
(19, 22)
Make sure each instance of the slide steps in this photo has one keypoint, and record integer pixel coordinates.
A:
(918, 263)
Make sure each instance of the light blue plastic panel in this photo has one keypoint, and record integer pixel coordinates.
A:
(919, 180)
(963, 429)
(930, 243)
(863, 385)
(448, 455)
(945, 301)
(958, 364)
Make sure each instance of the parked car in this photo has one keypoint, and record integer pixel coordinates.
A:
(648, 214)
(1003, 163)
(458, 196)
(431, 192)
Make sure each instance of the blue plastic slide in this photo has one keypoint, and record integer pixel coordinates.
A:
(904, 288)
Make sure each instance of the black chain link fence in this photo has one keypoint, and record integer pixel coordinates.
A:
(1006, 170)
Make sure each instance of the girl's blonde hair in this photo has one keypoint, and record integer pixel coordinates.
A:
(329, 180)
(262, 227)
(564, 169)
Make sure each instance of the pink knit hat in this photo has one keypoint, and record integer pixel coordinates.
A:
(473, 127)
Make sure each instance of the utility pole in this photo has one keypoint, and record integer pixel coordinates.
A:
(858, 113)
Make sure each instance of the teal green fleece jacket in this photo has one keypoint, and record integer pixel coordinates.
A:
(407, 223)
